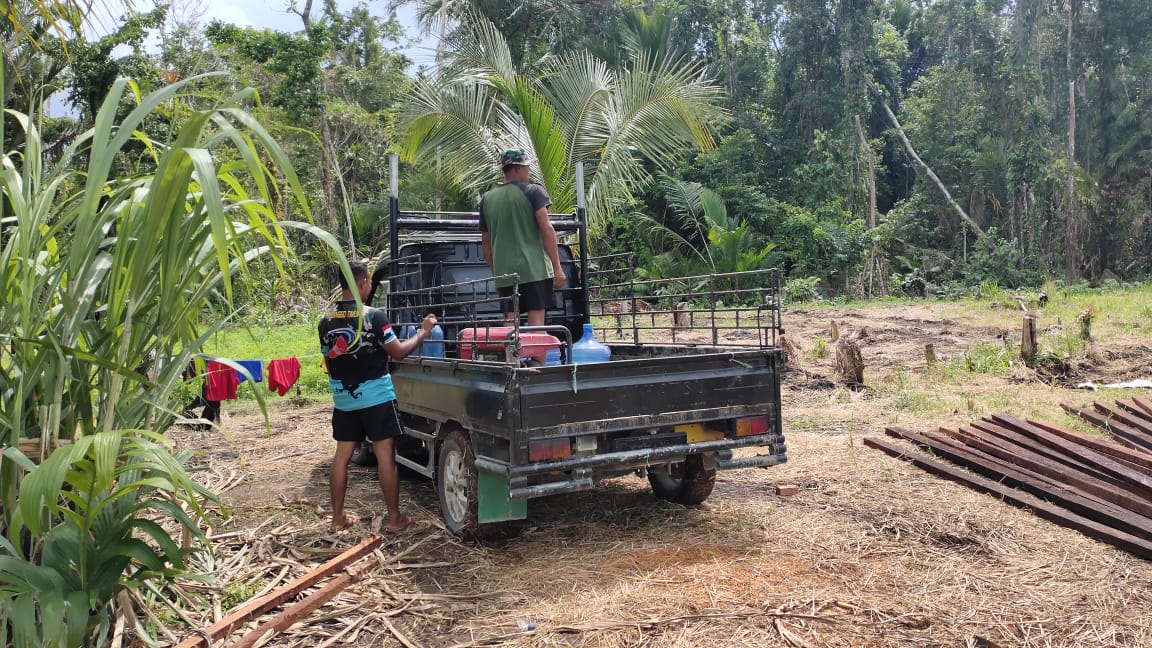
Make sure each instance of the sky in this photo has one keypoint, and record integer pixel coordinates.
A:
(273, 14)
(261, 14)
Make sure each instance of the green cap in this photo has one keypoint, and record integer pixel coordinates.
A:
(513, 157)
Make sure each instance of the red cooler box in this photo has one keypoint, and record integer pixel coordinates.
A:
(489, 343)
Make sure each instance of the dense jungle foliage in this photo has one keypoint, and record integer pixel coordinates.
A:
(866, 147)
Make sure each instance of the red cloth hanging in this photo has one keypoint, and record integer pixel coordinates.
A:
(282, 374)
(220, 382)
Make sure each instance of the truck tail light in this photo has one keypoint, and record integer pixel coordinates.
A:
(751, 426)
(549, 449)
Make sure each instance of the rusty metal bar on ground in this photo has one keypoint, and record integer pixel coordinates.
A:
(1048, 511)
(300, 609)
(274, 598)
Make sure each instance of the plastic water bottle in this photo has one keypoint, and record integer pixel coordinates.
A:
(433, 346)
(589, 349)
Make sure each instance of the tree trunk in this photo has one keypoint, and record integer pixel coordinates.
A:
(1028, 340)
(849, 363)
(1071, 244)
(940, 185)
(1071, 225)
(871, 174)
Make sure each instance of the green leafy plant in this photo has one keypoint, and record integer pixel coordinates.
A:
(802, 289)
(819, 348)
(82, 521)
(989, 358)
(103, 276)
(623, 122)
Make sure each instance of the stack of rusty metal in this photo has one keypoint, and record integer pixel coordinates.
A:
(1100, 488)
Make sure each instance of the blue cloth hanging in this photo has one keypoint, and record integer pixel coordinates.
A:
(254, 367)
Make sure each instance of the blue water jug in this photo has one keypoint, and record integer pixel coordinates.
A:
(433, 345)
(589, 349)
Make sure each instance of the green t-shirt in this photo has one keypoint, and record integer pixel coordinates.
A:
(508, 214)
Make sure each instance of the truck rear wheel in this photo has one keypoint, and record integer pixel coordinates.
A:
(687, 482)
(456, 483)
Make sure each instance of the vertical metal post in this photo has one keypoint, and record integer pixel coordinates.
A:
(582, 229)
(393, 233)
(393, 206)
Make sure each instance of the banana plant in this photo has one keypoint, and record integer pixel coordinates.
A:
(103, 279)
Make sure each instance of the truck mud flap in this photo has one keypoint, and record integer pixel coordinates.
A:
(494, 501)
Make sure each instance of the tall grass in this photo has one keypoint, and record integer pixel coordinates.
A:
(103, 275)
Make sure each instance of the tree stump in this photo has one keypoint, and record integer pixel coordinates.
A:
(681, 316)
(791, 352)
(930, 353)
(849, 364)
(833, 332)
(1028, 340)
(1084, 319)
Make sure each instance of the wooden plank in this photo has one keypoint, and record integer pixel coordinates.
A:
(1045, 510)
(1124, 417)
(1143, 403)
(1106, 463)
(1115, 450)
(1135, 410)
(1122, 433)
(1065, 463)
(1084, 465)
(272, 599)
(1024, 458)
(297, 611)
(1120, 414)
(1070, 498)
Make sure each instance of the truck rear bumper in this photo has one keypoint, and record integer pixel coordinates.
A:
(518, 475)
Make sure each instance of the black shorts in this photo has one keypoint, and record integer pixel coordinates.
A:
(534, 295)
(375, 423)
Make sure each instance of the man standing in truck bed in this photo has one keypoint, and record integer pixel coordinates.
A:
(518, 238)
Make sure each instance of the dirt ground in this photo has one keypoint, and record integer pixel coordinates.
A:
(870, 552)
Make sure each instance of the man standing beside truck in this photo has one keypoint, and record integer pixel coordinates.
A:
(518, 237)
(356, 352)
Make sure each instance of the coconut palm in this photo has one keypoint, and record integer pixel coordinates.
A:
(623, 122)
(102, 282)
(703, 237)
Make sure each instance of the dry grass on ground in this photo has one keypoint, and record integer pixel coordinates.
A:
(870, 552)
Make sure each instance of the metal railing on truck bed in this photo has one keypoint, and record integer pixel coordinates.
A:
(737, 309)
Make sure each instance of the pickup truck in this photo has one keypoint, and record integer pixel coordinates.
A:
(694, 374)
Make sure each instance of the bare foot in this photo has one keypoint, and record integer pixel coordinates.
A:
(405, 522)
(339, 525)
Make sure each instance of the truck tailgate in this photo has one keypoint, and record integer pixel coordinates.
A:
(650, 391)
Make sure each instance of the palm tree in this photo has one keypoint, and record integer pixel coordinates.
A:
(624, 123)
(703, 237)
